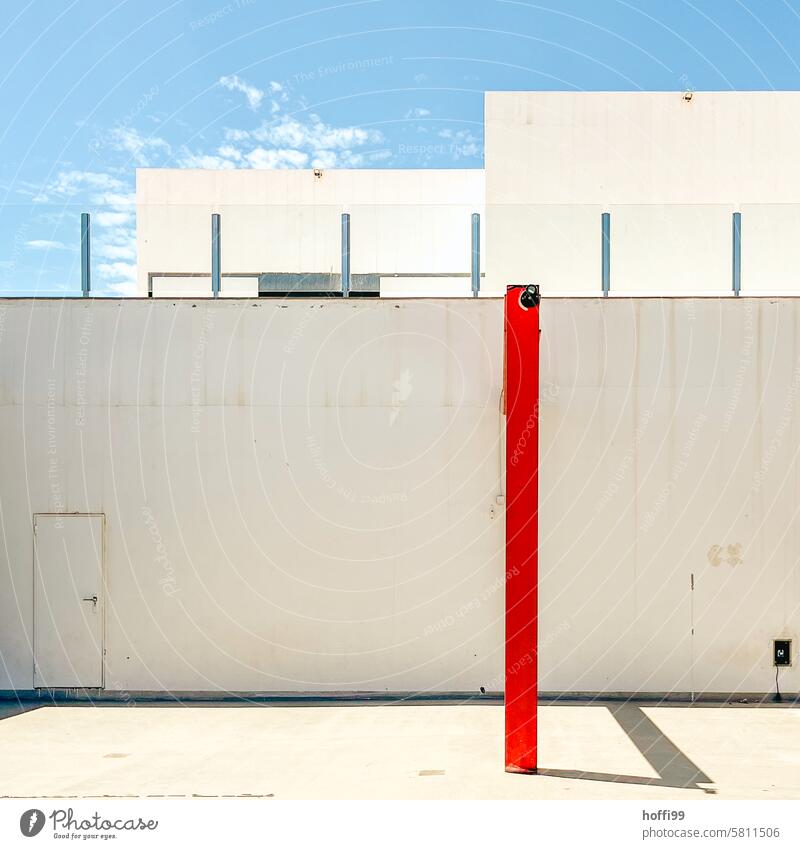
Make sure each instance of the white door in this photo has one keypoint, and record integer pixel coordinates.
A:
(68, 600)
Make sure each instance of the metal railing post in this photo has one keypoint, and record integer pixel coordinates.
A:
(606, 252)
(737, 253)
(345, 254)
(215, 255)
(476, 254)
(86, 255)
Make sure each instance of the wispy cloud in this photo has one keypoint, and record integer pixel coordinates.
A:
(140, 148)
(289, 137)
(119, 277)
(290, 142)
(69, 184)
(253, 94)
(46, 245)
(112, 203)
(463, 143)
(418, 112)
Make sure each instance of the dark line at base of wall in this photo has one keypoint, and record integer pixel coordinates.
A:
(359, 698)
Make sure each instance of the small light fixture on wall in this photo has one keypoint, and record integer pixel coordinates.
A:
(687, 95)
(318, 173)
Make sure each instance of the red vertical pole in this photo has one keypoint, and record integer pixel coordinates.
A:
(522, 523)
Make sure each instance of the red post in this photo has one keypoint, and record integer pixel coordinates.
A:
(522, 523)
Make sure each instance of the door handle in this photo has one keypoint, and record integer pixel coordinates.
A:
(93, 600)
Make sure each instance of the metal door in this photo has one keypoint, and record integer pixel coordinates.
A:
(68, 600)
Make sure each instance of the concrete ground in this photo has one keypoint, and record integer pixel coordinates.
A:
(408, 751)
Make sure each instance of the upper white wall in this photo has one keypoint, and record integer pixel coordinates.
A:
(402, 222)
(670, 172)
(642, 147)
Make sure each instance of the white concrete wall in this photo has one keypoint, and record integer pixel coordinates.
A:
(402, 222)
(322, 476)
(669, 489)
(302, 495)
(670, 172)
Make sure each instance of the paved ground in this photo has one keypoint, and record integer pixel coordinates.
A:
(429, 751)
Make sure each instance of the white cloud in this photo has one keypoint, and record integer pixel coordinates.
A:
(124, 288)
(260, 157)
(253, 94)
(126, 270)
(70, 183)
(230, 152)
(46, 245)
(298, 140)
(205, 160)
(463, 143)
(112, 219)
(139, 147)
(313, 134)
(111, 202)
(289, 142)
(112, 251)
(118, 277)
(126, 200)
(418, 112)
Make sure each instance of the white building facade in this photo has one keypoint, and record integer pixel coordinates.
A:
(412, 230)
(261, 495)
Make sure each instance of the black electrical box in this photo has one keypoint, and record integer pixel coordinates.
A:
(782, 653)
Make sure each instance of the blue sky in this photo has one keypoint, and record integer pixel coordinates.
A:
(90, 90)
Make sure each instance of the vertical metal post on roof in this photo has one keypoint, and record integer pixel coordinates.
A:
(86, 255)
(215, 256)
(345, 254)
(737, 253)
(606, 254)
(476, 254)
